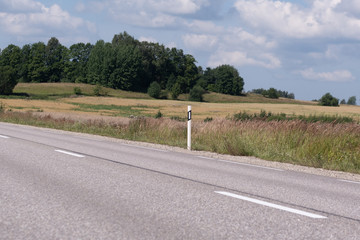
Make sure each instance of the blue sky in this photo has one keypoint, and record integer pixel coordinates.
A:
(308, 47)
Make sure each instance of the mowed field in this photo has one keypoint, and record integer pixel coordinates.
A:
(61, 99)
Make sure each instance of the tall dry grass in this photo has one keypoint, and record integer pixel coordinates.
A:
(323, 145)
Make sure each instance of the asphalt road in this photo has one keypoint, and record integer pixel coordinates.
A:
(57, 185)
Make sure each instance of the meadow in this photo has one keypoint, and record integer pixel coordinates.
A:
(303, 135)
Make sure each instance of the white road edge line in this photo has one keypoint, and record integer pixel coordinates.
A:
(2, 136)
(70, 153)
(244, 164)
(348, 181)
(147, 148)
(292, 210)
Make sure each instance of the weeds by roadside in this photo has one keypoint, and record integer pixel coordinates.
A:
(2, 107)
(334, 146)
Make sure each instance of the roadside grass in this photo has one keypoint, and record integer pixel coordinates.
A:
(334, 146)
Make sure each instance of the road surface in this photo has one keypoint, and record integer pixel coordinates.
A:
(58, 185)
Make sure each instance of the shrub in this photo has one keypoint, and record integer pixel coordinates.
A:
(175, 91)
(99, 91)
(2, 107)
(208, 119)
(196, 94)
(159, 114)
(77, 91)
(154, 90)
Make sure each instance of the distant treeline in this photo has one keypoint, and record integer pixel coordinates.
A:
(125, 63)
(273, 93)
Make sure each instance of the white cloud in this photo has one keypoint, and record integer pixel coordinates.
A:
(335, 76)
(239, 58)
(148, 13)
(241, 38)
(350, 6)
(39, 19)
(20, 5)
(148, 39)
(176, 6)
(200, 41)
(204, 27)
(323, 19)
(332, 52)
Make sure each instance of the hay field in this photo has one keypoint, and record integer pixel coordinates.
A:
(124, 107)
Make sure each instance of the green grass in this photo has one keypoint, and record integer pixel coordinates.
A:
(116, 110)
(60, 90)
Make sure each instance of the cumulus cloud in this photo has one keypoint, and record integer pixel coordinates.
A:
(200, 41)
(323, 19)
(149, 13)
(177, 6)
(241, 38)
(204, 27)
(27, 17)
(335, 76)
(239, 58)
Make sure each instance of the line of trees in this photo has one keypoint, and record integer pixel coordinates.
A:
(273, 93)
(125, 63)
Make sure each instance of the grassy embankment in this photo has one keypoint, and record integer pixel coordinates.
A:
(334, 146)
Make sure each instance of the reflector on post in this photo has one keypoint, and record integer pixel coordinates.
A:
(189, 129)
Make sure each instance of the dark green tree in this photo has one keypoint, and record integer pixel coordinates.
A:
(55, 58)
(352, 100)
(95, 66)
(175, 91)
(126, 72)
(24, 63)
(207, 79)
(11, 57)
(228, 80)
(329, 100)
(75, 68)
(154, 90)
(124, 39)
(196, 94)
(271, 93)
(7, 80)
(37, 70)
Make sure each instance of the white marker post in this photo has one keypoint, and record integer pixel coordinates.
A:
(189, 129)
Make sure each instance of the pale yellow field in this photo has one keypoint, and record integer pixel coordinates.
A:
(168, 107)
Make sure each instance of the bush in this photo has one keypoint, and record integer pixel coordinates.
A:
(175, 91)
(99, 91)
(7, 80)
(196, 94)
(329, 100)
(208, 119)
(159, 114)
(154, 90)
(77, 91)
(2, 107)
